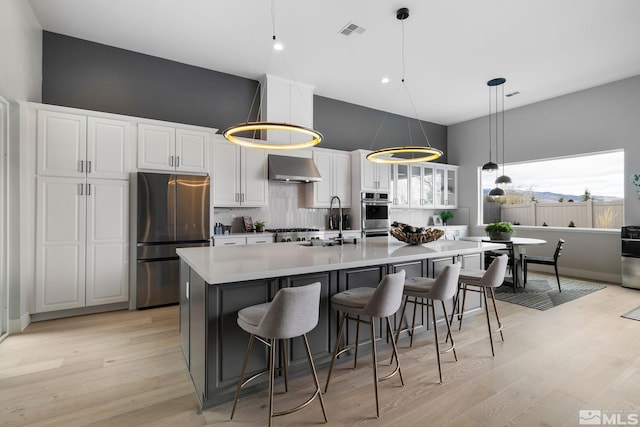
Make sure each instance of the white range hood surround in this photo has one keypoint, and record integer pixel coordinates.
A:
(286, 101)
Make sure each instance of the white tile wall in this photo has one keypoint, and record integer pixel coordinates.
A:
(285, 210)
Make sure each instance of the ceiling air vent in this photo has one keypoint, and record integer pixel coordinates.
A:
(351, 28)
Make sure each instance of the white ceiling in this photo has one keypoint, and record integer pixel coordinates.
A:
(544, 48)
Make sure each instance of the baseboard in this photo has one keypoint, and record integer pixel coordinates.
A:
(38, 317)
(16, 326)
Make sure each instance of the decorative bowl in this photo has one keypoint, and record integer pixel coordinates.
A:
(417, 238)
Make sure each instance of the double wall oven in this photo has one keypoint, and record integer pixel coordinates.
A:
(374, 214)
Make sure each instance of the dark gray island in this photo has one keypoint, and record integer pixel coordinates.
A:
(216, 282)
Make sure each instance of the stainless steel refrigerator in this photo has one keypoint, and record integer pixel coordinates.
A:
(173, 212)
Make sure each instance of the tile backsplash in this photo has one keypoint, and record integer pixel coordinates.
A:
(286, 209)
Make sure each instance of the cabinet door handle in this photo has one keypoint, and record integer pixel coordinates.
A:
(81, 188)
(237, 197)
(230, 243)
(170, 160)
(241, 197)
(88, 189)
(81, 165)
(186, 293)
(88, 166)
(177, 161)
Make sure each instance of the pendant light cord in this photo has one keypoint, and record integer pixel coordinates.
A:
(490, 126)
(503, 142)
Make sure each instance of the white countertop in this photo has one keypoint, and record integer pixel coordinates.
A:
(218, 265)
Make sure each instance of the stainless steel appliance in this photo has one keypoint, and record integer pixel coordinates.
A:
(375, 214)
(631, 256)
(173, 212)
(286, 235)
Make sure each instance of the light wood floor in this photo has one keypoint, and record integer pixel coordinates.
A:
(126, 369)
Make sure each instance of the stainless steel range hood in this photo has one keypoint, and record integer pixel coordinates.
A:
(292, 169)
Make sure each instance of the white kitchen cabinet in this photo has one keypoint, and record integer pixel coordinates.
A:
(335, 169)
(239, 175)
(81, 242)
(76, 145)
(230, 240)
(290, 102)
(172, 148)
(421, 186)
(372, 176)
(446, 186)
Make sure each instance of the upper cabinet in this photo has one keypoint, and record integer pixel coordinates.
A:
(173, 149)
(446, 186)
(239, 175)
(76, 145)
(424, 186)
(373, 176)
(335, 169)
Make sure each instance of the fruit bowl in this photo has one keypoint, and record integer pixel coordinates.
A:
(415, 235)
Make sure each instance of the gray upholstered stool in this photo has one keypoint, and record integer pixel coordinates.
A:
(380, 302)
(483, 281)
(442, 288)
(292, 313)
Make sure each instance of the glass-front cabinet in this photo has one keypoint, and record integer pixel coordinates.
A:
(446, 184)
(424, 186)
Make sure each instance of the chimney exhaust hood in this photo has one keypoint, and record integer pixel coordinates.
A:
(292, 169)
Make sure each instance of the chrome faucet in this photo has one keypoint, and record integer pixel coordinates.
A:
(339, 218)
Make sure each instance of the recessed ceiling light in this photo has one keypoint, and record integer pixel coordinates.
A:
(384, 80)
(278, 46)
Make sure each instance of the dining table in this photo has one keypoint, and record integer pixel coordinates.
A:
(519, 248)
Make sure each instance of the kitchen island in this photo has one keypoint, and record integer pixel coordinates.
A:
(216, 282)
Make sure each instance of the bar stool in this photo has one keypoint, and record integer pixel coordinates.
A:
(292, 313)
(483, 281)
(381, 302)
(442, 288)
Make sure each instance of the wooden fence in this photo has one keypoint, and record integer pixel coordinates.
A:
(590, 214)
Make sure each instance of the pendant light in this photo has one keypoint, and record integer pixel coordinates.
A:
(502, 179)
(490, 166)
(232, 134)
(407, 153)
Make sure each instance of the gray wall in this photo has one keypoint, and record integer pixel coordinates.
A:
(598, 119)
(82, 74)
(20, 79)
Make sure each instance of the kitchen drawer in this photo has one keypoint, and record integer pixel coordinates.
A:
(229, 241)
(259, 240)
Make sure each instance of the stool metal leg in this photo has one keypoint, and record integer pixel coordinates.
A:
(272, 363)
(486, 310)
(244, 367)
(495, 309)
(435, 335)
(315, 377)
(375, 365)
(355, 359)
(335, 350)
(283, 361)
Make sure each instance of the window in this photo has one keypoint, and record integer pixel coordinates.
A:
(585, 191)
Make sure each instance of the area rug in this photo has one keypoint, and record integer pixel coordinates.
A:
(633, 314)
(542, 293)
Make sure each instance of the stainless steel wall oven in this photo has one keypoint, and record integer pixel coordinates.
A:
(375, 213)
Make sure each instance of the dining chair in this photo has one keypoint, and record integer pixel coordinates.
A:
(545, 260)
(512, 265)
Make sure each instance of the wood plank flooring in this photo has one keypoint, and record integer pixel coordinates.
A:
(126, 369)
